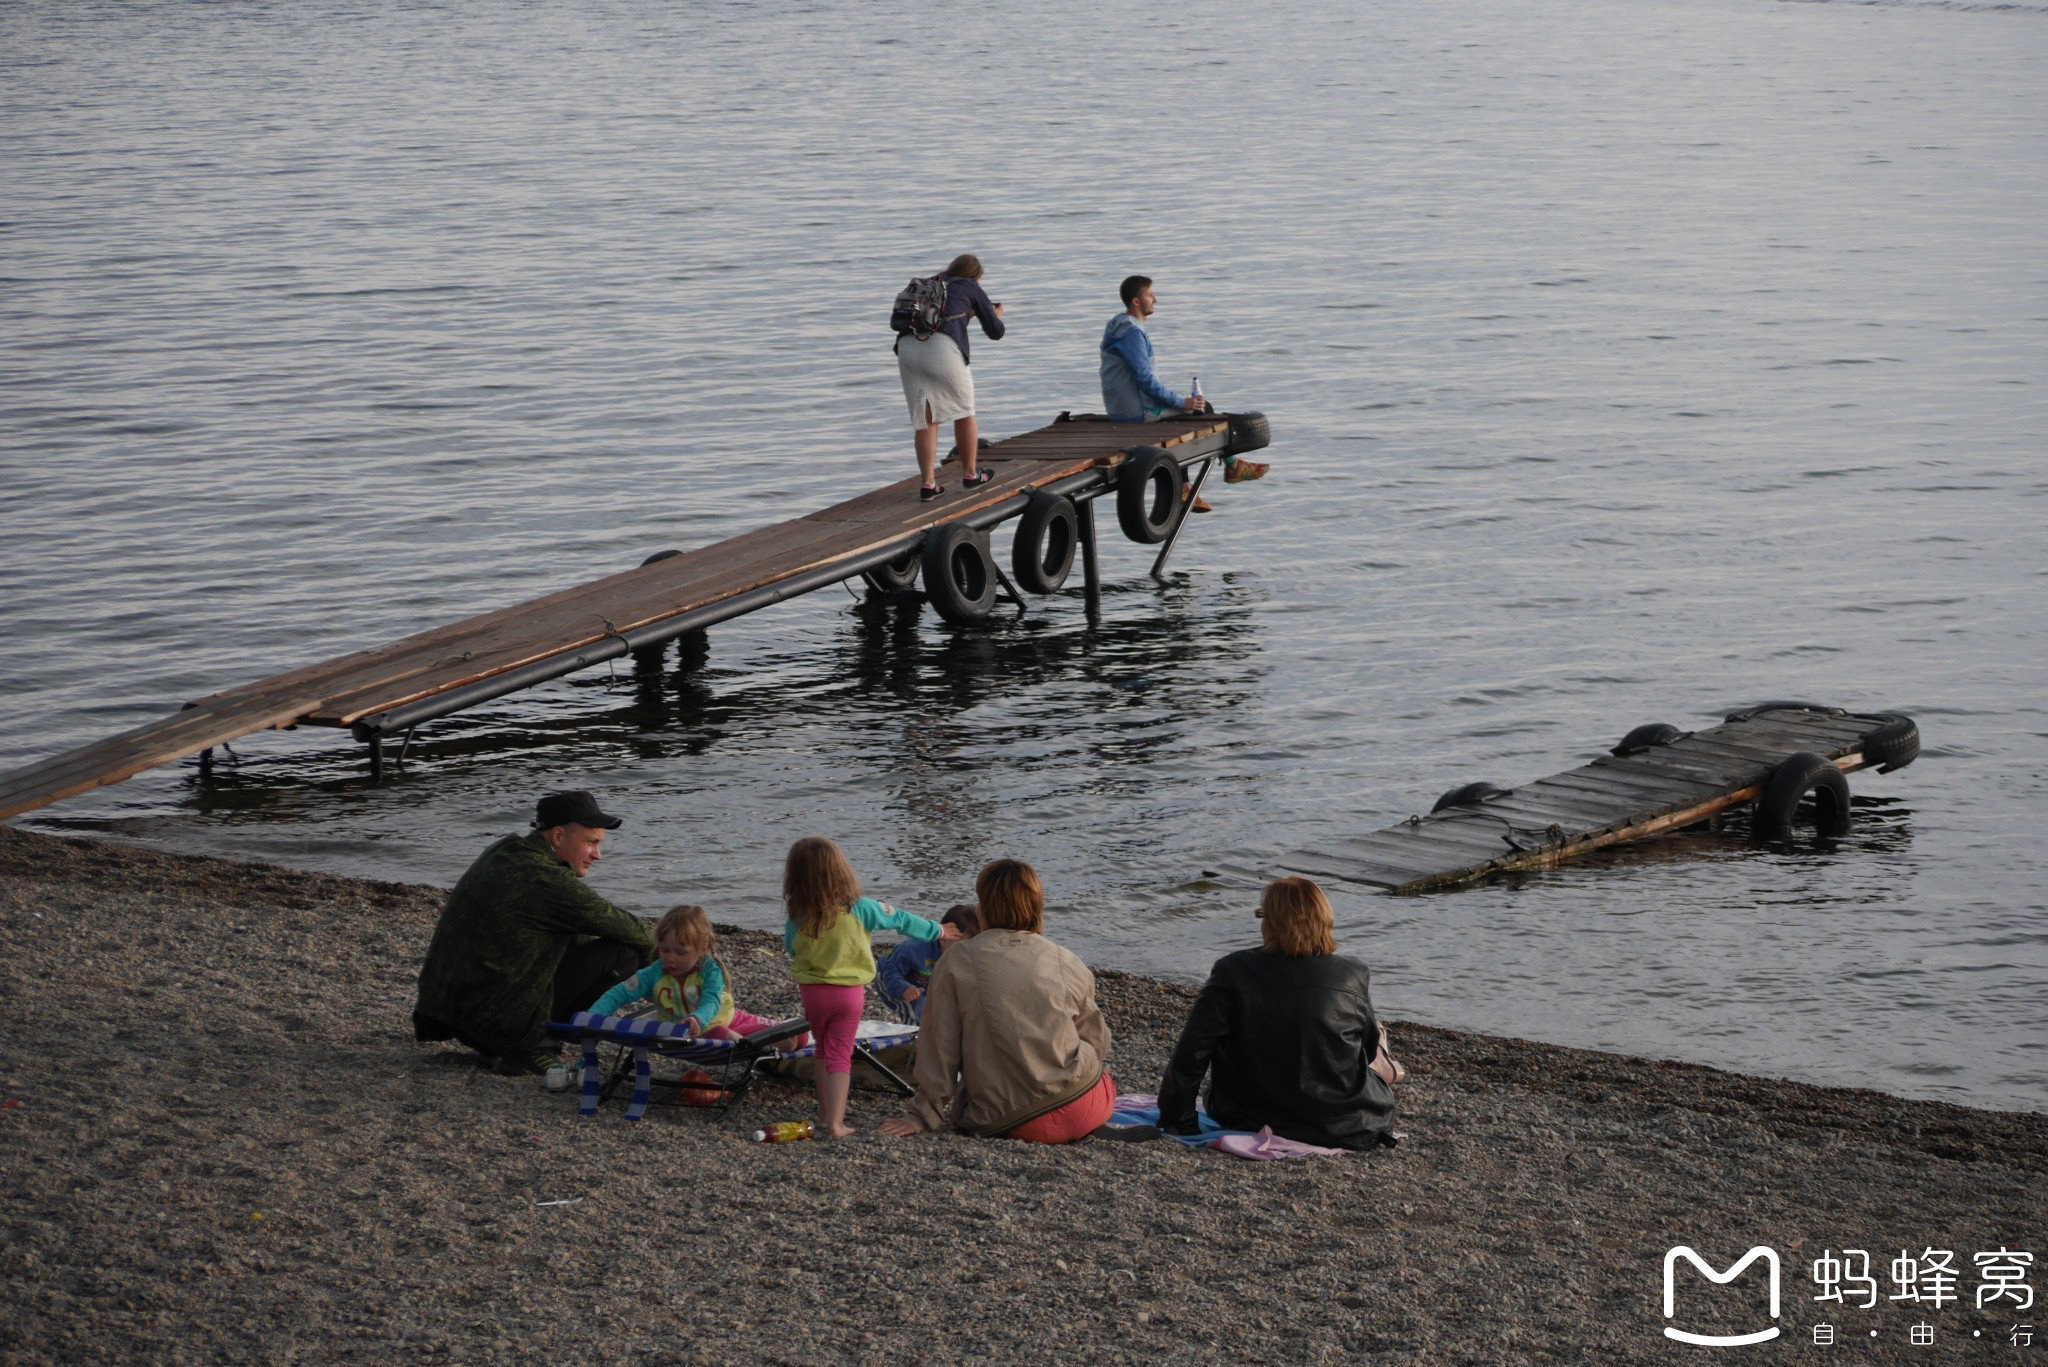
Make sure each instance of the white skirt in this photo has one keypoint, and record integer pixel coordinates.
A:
(937, 385)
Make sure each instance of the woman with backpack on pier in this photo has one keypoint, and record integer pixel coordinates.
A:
(930, 319)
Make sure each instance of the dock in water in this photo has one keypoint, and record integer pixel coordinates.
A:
(1658, 779)
(1054, 473)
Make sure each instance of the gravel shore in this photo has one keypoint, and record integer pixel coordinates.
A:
(219, 1142)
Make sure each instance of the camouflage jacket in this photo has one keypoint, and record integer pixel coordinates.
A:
(490, 971)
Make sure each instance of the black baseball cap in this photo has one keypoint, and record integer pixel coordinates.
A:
(573, 808)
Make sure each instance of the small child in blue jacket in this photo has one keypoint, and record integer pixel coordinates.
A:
(906, 974)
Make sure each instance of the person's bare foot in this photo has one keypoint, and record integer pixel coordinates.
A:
(840, 1132)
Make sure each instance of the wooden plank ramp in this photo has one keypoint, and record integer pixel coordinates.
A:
(495, 652)
(1611, 801)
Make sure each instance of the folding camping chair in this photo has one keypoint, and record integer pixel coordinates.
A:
(873, 1039)
(733, 1064)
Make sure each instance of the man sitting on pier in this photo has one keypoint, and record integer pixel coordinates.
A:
(523, 940)
(1132, 390)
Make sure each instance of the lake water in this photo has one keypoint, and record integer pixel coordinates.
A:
(1628, 360)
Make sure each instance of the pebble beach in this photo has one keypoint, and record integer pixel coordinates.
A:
(219, 1143)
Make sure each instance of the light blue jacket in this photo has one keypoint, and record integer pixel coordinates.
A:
(640, 987)
(1131, 390)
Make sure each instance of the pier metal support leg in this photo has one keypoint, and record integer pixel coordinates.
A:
(1091, 574)
(405, 745)
(1010, 590)
(1187, 510)
(376, 759)
(693, 649)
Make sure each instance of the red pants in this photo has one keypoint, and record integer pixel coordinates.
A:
(1082, 1116)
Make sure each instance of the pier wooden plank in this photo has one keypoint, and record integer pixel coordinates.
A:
(565, 627)
(581, 626)
(1371, 861)
(1719, 774)
(900, 506)
(1666, 784)
(1683, 763)
(1436, 838)
(1748, 748)
(1553, 807)
(1401, 846)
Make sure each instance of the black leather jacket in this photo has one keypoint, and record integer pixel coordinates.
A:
(1287, 1041)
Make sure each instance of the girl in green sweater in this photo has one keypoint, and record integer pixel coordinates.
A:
(828, 939)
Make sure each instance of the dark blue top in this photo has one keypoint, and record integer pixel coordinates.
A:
(910, 964)
(965, 297)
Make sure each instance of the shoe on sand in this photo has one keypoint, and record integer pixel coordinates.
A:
(535, 1064)
(1244, 472)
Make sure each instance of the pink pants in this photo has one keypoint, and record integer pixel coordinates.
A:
(742, 1024)
(834, 1014)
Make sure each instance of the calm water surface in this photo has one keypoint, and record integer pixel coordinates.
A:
(1630, 361)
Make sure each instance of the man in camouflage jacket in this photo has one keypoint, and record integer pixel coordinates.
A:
(524, 939)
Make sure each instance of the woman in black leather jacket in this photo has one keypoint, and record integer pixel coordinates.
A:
(1288, 1035)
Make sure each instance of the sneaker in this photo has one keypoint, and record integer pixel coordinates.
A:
(1201, 505)
(535, 1064)
(927, 492)
(977, 480)
(1244, 472)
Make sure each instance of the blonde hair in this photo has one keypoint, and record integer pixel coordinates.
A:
(1011, 896)
(1300, 923)
(818, 885)
(690, 925)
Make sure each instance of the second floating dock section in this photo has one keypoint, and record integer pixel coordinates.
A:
(1776, 755)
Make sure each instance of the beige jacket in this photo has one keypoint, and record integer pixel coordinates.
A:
(1011, 1031)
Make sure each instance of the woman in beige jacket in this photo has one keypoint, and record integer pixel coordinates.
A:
(1013, 1043)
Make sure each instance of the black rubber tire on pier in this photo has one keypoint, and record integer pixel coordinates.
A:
(1042, 555)
(1249, 432)
(1148, 494)
(659, 556)
(1795, 777)
(1471, 795)
(898, 576)
(1894, 745)
(959, 573)
(1646, 737)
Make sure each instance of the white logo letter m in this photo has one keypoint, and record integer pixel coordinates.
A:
(1769, 1255)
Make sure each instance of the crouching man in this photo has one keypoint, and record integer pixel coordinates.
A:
(524, 940)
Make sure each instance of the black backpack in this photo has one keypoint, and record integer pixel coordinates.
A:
(920, 308)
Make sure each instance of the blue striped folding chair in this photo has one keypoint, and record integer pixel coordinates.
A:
(874, 1045)
(732, 1063)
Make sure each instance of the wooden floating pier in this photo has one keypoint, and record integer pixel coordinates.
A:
(1658, 779)
(888, 536)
